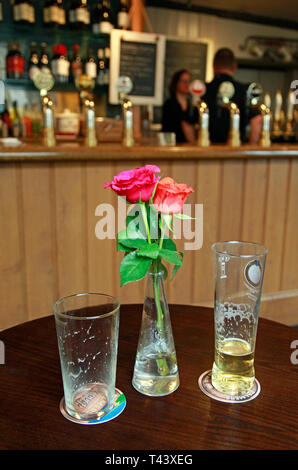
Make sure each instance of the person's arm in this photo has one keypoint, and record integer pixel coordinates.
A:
(255, 129)
(188, 131)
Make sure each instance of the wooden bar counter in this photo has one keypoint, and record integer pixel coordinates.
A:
(48, 201)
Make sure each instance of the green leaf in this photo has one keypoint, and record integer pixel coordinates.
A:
(134, 242)
(122, 235)
(149, 251)
(170, 256)
(169, 244)
(133, 268)
(184, 217)
(175, 269)
(163, 268)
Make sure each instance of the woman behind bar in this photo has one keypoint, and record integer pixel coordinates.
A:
(178, 115)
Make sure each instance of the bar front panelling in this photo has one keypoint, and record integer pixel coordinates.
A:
(49, 247)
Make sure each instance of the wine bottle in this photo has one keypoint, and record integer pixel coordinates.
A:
(96, 18)
(23, 12)
(76, 64)
(82, 14)
(15, 62)
(53, 13)
(101, 67)
(33, 65)
(61, 14)
(72, 14)
(1, 11)
(60, 64)
(123, 15)
(15, 120)
(106, 23)
(107, 66)
(44, 63)
(91, 65)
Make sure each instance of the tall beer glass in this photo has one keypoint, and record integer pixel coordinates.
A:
(239, 271)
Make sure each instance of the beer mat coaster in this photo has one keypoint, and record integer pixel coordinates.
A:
(119, 405)
(206, 386)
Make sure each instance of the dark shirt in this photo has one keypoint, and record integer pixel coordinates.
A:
(173, 115)
(219, 117)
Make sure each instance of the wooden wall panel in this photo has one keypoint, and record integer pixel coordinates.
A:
(38, 224)
(70, 202)
(230, 214)
(274, 222)
(13, 309)
(209, 193)
(289, 278)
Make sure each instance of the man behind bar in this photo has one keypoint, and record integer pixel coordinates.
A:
(224, 67)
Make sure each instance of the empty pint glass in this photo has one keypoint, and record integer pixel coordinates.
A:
(238, 270)
(87, 328)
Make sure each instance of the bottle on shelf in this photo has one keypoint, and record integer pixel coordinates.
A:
(96, 17)
(107, 66)
(82, 14)
(23, 12)
(6, 121)
(26, 123)
(44, 63)
(77, 63)
(123, 15)
(1, 11)
(61, 14)
(101, 67)
(72, 14)
(15, 62)
(106, 22)
(60, 64)
(15, 120)
(33, 65)
(91, 65)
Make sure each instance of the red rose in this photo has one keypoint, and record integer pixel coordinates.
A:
(170, 196)
(135, 184)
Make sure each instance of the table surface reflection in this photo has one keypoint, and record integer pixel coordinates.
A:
(31, 389)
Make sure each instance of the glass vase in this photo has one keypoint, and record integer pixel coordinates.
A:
(155, 371)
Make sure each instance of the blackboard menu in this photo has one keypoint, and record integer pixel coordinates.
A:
(138, 61)
(188, 55)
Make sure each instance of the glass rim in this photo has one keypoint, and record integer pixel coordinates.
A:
(239, 242)
(91, 317)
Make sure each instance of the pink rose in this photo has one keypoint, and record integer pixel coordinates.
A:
(135, 184)
(170, 196)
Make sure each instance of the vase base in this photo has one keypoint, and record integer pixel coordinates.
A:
(157, 386)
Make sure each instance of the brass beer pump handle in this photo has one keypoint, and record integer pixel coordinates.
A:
(265, 140)
(203, 139)
(90, 139)
(234, 133)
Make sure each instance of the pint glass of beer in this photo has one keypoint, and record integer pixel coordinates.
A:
(238, 271)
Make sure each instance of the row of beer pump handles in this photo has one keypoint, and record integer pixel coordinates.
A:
(198, 89)
(254, 93)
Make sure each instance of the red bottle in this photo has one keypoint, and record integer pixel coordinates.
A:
(15, 62)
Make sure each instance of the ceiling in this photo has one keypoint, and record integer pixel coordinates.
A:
(282, 13)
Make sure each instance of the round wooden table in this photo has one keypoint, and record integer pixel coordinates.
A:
(31, 389)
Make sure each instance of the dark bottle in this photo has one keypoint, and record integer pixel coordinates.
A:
(106, 23)
(96, 18)
(72, 14)
(101, 67)
(23, 12)
(107, 66)
(15, 120)
(33, 64)
(76, 64)
(6, 121)
(1, 11)
(15, 62)
(61, 14)
(91, 65)
(44, 63)
(123, 15)
(82, 14)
